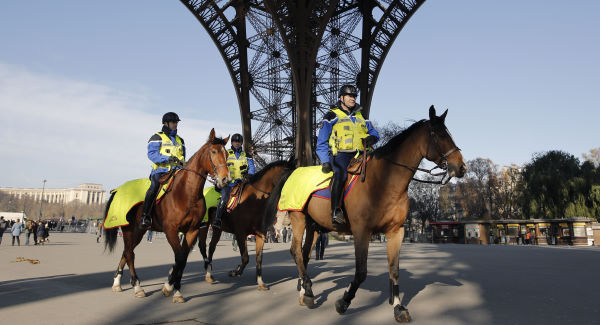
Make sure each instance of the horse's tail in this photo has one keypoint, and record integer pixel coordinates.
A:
(110, 235)
(271, 209)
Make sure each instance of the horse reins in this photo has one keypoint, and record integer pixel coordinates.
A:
(443, 165)
(212, 165)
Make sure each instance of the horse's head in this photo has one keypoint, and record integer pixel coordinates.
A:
(215, 159)
(441, 148)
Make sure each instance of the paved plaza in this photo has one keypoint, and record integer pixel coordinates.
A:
(440, 284)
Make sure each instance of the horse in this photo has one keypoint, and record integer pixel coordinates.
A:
(180, 210)
(377, 205)
(245, 219)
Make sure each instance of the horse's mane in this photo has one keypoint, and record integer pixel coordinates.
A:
(397, 140)
(254, 178)
(218, 141)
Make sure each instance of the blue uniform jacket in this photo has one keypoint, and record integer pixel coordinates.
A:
(154, 149)
(329, 119)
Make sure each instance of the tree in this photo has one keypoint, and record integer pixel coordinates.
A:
(508, 193)
(551, 183)
(593, 157)
(478, 190)
(387, 131)
(424, 202)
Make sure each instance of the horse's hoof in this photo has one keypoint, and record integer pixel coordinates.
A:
(307, 301)
(178, 298)
(117, 289)
(209, 278)
(140, 294)
(341, 306)
(263, 287)
(166, 292)
(234, 274)
(401, 314)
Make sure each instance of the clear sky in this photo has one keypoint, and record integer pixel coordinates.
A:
(83, 84)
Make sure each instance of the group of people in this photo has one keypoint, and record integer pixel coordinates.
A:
(344, 132)
(39, 230)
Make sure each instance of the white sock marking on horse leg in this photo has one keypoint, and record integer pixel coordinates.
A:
(259, 280)
(117, 281)
(168, 286)
(301, 292)
(177, 294)
(396, 301)
(137, 288)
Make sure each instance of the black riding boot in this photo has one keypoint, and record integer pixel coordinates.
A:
(337, 215)
(217, 222)
(146, 220)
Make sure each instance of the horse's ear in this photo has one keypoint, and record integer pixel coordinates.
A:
(443, 116)
(227, 139)
(432, 113)
(211, 136)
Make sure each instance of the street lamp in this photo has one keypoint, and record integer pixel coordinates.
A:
(42, 199)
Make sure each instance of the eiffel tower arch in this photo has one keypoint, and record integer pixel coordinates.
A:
(287, 60)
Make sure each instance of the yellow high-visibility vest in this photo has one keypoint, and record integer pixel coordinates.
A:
(346, 136)
(168, 148)
(238, 167)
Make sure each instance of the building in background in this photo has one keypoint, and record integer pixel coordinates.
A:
(87, 193)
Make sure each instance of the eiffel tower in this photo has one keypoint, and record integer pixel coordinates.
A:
(287, 60)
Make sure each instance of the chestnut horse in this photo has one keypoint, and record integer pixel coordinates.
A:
(245, 219)
(180, 210)
(377, 205)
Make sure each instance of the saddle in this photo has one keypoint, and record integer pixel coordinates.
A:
(357, 165)
(234, 196)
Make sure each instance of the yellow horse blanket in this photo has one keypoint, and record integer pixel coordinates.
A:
(300, 185)
(126, 197)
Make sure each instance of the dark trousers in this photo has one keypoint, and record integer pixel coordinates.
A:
(340, 165)
(18, 240)
(320, 245)
(152, 192)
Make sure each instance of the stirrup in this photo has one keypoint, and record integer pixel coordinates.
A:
(338, 217)
(146, 221)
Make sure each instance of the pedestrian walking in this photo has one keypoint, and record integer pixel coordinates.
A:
(40, 233)
(322, 241)
(34, 228)
(16, 230)
(3, 226)
(284, 234)
(150, 236)
(27, 232)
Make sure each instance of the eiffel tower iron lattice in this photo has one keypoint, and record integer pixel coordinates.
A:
(287, 60)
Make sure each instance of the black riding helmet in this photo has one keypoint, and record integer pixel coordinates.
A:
(170, 117)
(237, 138)
(348, 90)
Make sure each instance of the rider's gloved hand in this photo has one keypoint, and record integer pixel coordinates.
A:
(370, 140)
(175, 160)
(326, 167)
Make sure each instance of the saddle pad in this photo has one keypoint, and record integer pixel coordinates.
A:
(126, 197)
(211, 197)
(300, 185)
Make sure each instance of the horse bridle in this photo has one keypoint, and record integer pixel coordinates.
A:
(443, 164)
(212, 165)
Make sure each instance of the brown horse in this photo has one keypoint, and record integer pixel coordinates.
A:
(245, 219)
(377, 205)
(180, 210)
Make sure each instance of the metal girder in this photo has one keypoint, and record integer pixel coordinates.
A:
(287, 60)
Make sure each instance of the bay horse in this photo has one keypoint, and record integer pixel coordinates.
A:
(377, 205)
(246, 219)
(181, 209)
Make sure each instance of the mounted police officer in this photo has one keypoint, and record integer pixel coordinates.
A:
(340, 138)
(166, 150)
(240, 165)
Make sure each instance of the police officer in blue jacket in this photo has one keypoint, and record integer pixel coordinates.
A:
(240, 165)
(340, 138)
(166, 150)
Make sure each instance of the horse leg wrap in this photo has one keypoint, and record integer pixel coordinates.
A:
(118, 272)
(394, 292)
